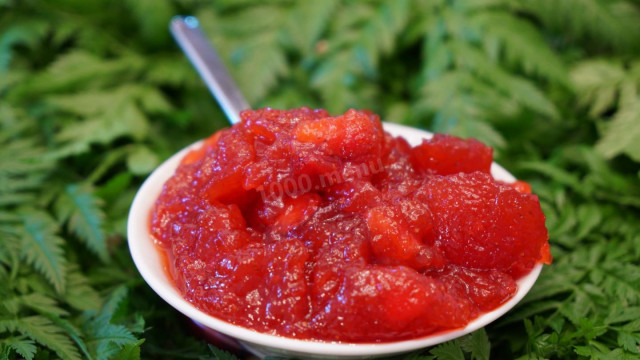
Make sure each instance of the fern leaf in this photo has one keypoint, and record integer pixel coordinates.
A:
(23, 33)
(257, 64)
(603, 23)
(153, 17)
(105, 339)
(121, 121)
(622, 134)
(522, 44)
(172, 71)
(218, 354)
(116, 297)
(378, 36)
(477, 343)
(260, 64)
(450, 350)
(21, 345)
(43, 331)
(37, 301)
(260, 18)
(10, 249)
(517, 88)
(334, 85)
(42, 248)
(77, 205)
(141, 160)
(23, 166)
(597, 83)
(74, 69)
(79, 294)
(72, 332)
(305, 34)
(130, 351)
(95, 102)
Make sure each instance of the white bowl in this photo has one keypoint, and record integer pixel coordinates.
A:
(148, 261)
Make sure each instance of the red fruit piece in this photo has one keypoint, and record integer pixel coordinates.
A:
(354, 196)
(521, 186)
(482, 224)
(283, 214)
(398, 178)
(221, 229)
(356, 135)
(446, 154)
(392, 242)
(389, 303)
(285, 284)
(487, 288)
(296, 211)
(196, 155)
(225, 170)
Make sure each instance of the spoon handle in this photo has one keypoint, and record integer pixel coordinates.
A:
(209, 65)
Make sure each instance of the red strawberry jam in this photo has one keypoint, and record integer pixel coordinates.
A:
(313, 226)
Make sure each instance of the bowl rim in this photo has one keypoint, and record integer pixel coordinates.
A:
(147, 259)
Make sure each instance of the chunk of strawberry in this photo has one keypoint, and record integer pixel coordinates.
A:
(225, 170)
(296, 211)
(392, 242)
(356, 135)
(208, 145)
(482, 224)
(446, 154)
(487, 288)
(389, 303)
(521, 186)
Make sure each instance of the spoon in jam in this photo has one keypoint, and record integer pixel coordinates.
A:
(205, 59)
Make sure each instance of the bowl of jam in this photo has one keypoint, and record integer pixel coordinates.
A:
(302, 234)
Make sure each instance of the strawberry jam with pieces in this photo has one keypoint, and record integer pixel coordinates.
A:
(312, 226)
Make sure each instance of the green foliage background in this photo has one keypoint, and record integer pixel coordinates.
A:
(94, 94)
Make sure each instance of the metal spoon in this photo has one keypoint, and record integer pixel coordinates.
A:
(209, 65)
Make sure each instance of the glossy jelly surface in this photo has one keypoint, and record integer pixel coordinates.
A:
(312, 226)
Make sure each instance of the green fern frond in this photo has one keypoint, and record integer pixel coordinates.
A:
(257, 64)
(79, 294)
(23, 166)
(43, 331)
(357, 40)
(141, 160)
(42, 248)
(336, 87)
(105, 339)
(609, 24)
(36, 301)
(115, 299)
(218, 354)
(91, 103)
(82, 211)
(22, 345)
(102, 129)
(521, 43)
(78, 68)
(378, 37)
(597, 84)
(153, 17)
(607, 86)
(26, 33)
(622, 134)
(519, 89)
(9, 250)
(304, 35)
(130, 351)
